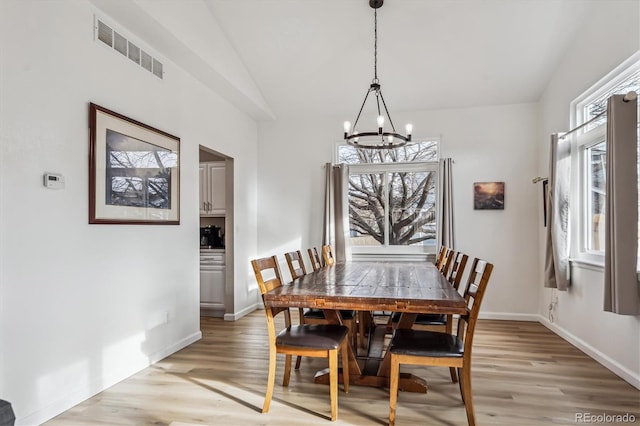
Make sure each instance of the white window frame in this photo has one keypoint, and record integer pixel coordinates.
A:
(399, 252)
(581, 142)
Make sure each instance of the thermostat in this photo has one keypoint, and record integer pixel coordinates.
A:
(53, 181)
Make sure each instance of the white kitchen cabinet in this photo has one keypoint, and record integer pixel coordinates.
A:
(212, 282)
(212, 188)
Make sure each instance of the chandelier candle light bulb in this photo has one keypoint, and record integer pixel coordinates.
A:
(347, 128)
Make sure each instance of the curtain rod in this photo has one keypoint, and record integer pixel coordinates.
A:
(629, 97)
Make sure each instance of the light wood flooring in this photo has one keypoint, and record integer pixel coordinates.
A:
(523, 374)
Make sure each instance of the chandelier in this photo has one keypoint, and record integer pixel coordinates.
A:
(382, 138)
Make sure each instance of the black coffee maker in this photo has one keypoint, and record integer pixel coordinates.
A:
(211, 236)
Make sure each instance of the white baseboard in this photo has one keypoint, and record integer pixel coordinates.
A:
(153, 358)
(624, 373)
(508, 316)
(237, 315)
(97, 384)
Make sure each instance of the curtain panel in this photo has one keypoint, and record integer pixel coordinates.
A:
(336, 211)
(621, 293)
(447, 238)
(556, 268)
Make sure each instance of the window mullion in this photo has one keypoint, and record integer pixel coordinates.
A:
(386, 208)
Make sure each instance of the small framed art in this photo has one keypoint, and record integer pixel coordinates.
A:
(488, 196)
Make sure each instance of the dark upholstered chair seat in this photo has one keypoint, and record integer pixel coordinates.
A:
(319, 314)
(426, 343)
(315, 336)
(424, 319)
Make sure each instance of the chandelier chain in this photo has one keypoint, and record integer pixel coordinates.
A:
(375, 45)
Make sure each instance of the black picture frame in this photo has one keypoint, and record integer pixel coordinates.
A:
(134, 171)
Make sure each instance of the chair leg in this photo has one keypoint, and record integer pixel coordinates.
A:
(301, 316)
(452, 371)
(394, 375)
(460, 380)
(360, 337)
(468, 399)
(352, 336)
(345, 366)
(333, 383)
(271, 379)
(287, 370)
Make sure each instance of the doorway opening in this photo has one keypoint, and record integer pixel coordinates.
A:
(216, 234)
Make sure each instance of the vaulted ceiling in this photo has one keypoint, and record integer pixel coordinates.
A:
(316, 56)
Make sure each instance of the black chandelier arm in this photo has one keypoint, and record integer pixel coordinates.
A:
(387, 111)
(361, 108)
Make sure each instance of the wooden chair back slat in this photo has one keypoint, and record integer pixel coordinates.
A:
(457, 269)
(315, 258)
(327, 254)
(296, 264)
(446, 262)
(440, 257)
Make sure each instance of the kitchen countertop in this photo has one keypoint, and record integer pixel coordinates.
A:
(211, 248)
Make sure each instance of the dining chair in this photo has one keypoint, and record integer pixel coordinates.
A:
(315, 258)
(297, 269)
(440, 256)
(420, 347)
(327, 254)
(316, 316)
(313, 340)
(440, 322)
(446, 261)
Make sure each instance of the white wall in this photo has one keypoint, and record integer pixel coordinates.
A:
(83, 306)
(610, 35)
(486, 143)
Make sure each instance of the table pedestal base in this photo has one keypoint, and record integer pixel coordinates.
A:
(408, 382)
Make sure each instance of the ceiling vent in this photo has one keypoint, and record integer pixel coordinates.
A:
(127, 48)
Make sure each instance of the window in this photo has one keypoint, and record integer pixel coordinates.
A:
(392, 198)
(590, 157)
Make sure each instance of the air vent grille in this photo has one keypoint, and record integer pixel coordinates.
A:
(134, 53)
(146, 61)
(105, 34)
(118, 42)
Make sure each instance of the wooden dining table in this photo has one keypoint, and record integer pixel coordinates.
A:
(407, 287)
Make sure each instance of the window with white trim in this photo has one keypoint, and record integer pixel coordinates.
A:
(590, 158)
(392, 197)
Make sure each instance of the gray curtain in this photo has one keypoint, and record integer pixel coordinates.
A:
(557, 269)
(327, 218)
(336, 213)
(446, 203)
(621, 294)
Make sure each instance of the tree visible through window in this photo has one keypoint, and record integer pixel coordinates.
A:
(392, 195)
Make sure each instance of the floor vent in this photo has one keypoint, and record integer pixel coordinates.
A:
(119, 43)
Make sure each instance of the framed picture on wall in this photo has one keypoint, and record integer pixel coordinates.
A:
(134, 171)
(488, 196)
